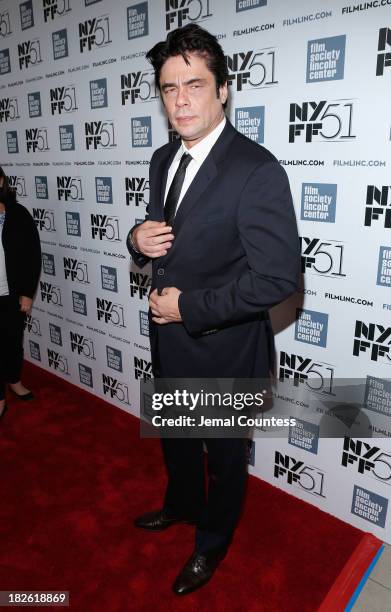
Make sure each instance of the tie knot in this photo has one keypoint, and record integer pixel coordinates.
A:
(185, 161)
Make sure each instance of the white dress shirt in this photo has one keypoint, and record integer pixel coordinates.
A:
(199, 153)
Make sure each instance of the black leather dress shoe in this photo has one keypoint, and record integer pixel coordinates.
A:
(197, 571)
(26, 397)
(160, 520)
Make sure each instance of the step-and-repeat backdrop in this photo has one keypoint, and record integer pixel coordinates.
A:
(80, 117)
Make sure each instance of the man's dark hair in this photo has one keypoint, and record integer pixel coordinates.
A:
(190, 39)
(8, 195)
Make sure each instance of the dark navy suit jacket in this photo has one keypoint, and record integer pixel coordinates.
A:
(235, 255)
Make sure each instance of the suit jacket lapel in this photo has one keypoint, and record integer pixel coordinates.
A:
(207, 172)
(204, 176)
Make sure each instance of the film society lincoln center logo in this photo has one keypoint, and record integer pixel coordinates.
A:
(311, 327)
(369, 506)
(55, 334)
(5, 64)
(41, 188)
(48, 264)
(378, 395)
(326, 59)
(250, 121)
(104, 189)
(26, 15)
(34, 104)
(98, 93)
(12, 142)
(137, 20)
(141, 132)
(85, 375)
(304, 435)
(318, 202)
(384, 267)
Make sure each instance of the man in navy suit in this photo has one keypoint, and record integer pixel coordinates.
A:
(222, 237)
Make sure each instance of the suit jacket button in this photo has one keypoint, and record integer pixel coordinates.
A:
(160, 271)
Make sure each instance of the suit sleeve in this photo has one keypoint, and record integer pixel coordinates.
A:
(32, 253)
(268, 233)
(139, 259)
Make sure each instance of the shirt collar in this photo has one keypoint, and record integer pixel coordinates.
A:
(201, 150)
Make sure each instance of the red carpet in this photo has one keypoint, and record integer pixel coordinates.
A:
(73, 474)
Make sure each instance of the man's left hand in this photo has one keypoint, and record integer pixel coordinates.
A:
(164, 307)
(25, 303)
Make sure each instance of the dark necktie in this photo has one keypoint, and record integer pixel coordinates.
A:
(175, 189)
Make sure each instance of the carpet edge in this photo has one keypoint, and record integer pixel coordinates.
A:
(348, 579)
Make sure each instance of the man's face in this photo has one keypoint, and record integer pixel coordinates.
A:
(190, 98)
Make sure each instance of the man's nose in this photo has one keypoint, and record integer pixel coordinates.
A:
(182, 98)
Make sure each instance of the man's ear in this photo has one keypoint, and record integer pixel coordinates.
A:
(223, 92)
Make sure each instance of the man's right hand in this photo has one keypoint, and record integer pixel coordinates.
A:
(153, 238)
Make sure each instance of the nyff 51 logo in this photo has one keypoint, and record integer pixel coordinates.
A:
(179, 12)
(367, 458)
(105, 227)
(70, 188)
(114, 388)
(44, 219)
(384, 51)
(63, 100)
(18, 184)
(55, 8)
(32, 325)
(321, 121)
(142, 369)
(5, 24)
(323, 257)
(135, 189)
(51, 294)
(109, 312)
(374, 339)
(9, 110)
(252, 69)
(37, 140)
(99, 135)
(140, 284)
(82, 345)
(57, 362)
(138, 87)
(76, 270)
(29, 53)
(94, 33)
(293, 471)
(316, 375)
(378, 205)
